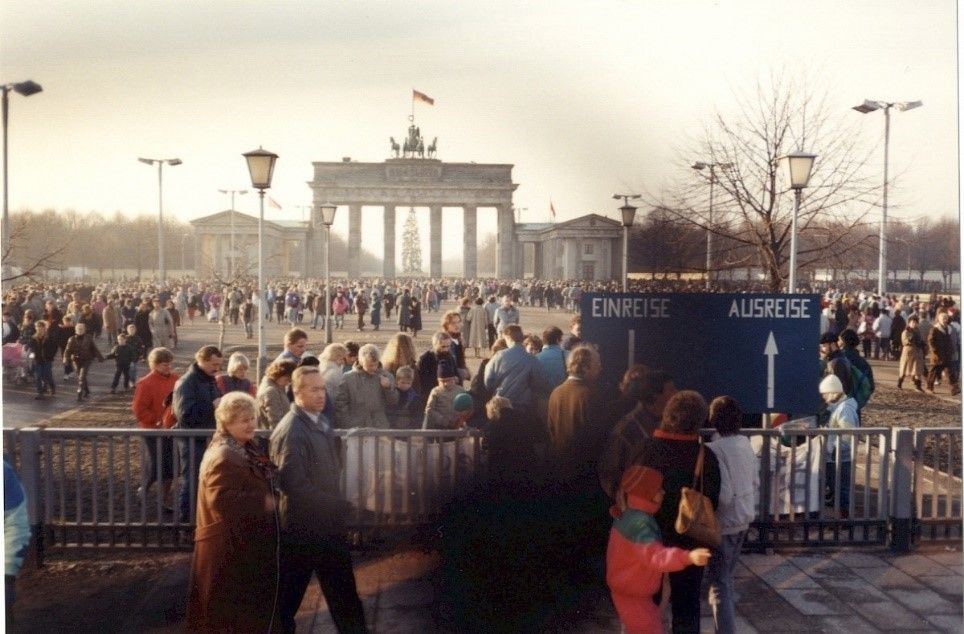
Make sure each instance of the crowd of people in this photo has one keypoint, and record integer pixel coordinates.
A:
(591, 477)
(923, 336)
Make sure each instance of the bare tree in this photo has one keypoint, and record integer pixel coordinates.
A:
(752, 206)
(25, 259)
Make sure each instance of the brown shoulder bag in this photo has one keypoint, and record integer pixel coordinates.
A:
(696, 518)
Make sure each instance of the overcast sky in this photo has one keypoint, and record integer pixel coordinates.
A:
(584, 98)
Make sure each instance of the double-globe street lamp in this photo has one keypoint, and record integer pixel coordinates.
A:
(629, 215)
(24, 88)
(797, 167)
(700, 166)
(328, 218)
(261, 167)
(161, 272)
(868, 106)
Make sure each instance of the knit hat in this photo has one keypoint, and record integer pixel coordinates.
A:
(641, 485)
(446, 367)
(462, 402)
(831, 384)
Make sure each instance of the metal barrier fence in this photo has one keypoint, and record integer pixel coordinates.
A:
(937, 483)
(904, 485)
(821, 487)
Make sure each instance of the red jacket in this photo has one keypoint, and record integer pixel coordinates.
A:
(635, 559)
(149, 396)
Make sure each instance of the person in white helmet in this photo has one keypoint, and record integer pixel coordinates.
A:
(843, 415)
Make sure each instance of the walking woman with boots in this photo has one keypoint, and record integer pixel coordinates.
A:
(911, 355)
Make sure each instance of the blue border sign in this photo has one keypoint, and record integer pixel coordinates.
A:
(760, 349)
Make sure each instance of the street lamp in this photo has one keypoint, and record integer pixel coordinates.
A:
(25, 88)
(629, 214)
(242, 192)
(797, 167)
(867, 107)
(700, 166)
(328, 218)
(261, 167)
(160, 210)
(184, 237)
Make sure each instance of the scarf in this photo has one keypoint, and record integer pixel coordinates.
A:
(251, 454)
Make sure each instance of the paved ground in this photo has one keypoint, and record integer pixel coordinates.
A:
(819, 591)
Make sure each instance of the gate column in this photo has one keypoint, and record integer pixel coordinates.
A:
(506, 229)
(388, 263)
(435, 241)
(354, 241)
(470, 253)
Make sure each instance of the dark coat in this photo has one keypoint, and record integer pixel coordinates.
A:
(405, 310)
(941, 346)
(194, 397)
(124, 355)
(44, 349)
(233, 568)
(427, 370)
(674, 455)
(82, 350)
(577, 434)
(142, 321)
(312, 507)
(415, 321)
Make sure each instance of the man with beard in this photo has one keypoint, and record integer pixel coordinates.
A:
(452, 326)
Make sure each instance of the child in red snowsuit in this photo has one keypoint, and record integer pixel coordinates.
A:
(635, 559)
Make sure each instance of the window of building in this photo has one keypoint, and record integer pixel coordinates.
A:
(587, 249)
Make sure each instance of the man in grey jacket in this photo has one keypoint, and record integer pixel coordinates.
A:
(303, 445)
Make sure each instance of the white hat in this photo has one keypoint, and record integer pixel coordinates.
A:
(831, 385)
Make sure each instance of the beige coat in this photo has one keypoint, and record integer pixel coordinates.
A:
(476, 335)
(911, 355)
(273, 404)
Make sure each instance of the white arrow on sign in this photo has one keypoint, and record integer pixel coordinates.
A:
(771, 351)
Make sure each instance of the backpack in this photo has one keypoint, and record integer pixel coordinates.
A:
(861, 386)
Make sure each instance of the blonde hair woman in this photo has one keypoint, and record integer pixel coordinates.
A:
(234, 566)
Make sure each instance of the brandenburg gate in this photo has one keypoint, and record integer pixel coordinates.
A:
(414, 180)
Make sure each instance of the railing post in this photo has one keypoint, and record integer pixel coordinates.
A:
(30, 448)
(901, 520)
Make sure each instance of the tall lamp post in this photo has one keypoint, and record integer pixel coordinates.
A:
(629, 214)
(161, 272)
(700, 166)
(328, 218)
(261, 167)
(241, 192)
(867, 107)
(797, 167)
(24, 88)
(184, 237)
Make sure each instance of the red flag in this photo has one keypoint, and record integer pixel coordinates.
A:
(274, 203)
(420, 96)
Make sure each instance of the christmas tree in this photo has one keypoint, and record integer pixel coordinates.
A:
(411, 246)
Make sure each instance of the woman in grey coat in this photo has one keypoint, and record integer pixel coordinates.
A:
(273, 403)
(365, 393)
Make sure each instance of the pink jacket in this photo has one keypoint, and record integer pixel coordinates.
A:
(635, 559)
